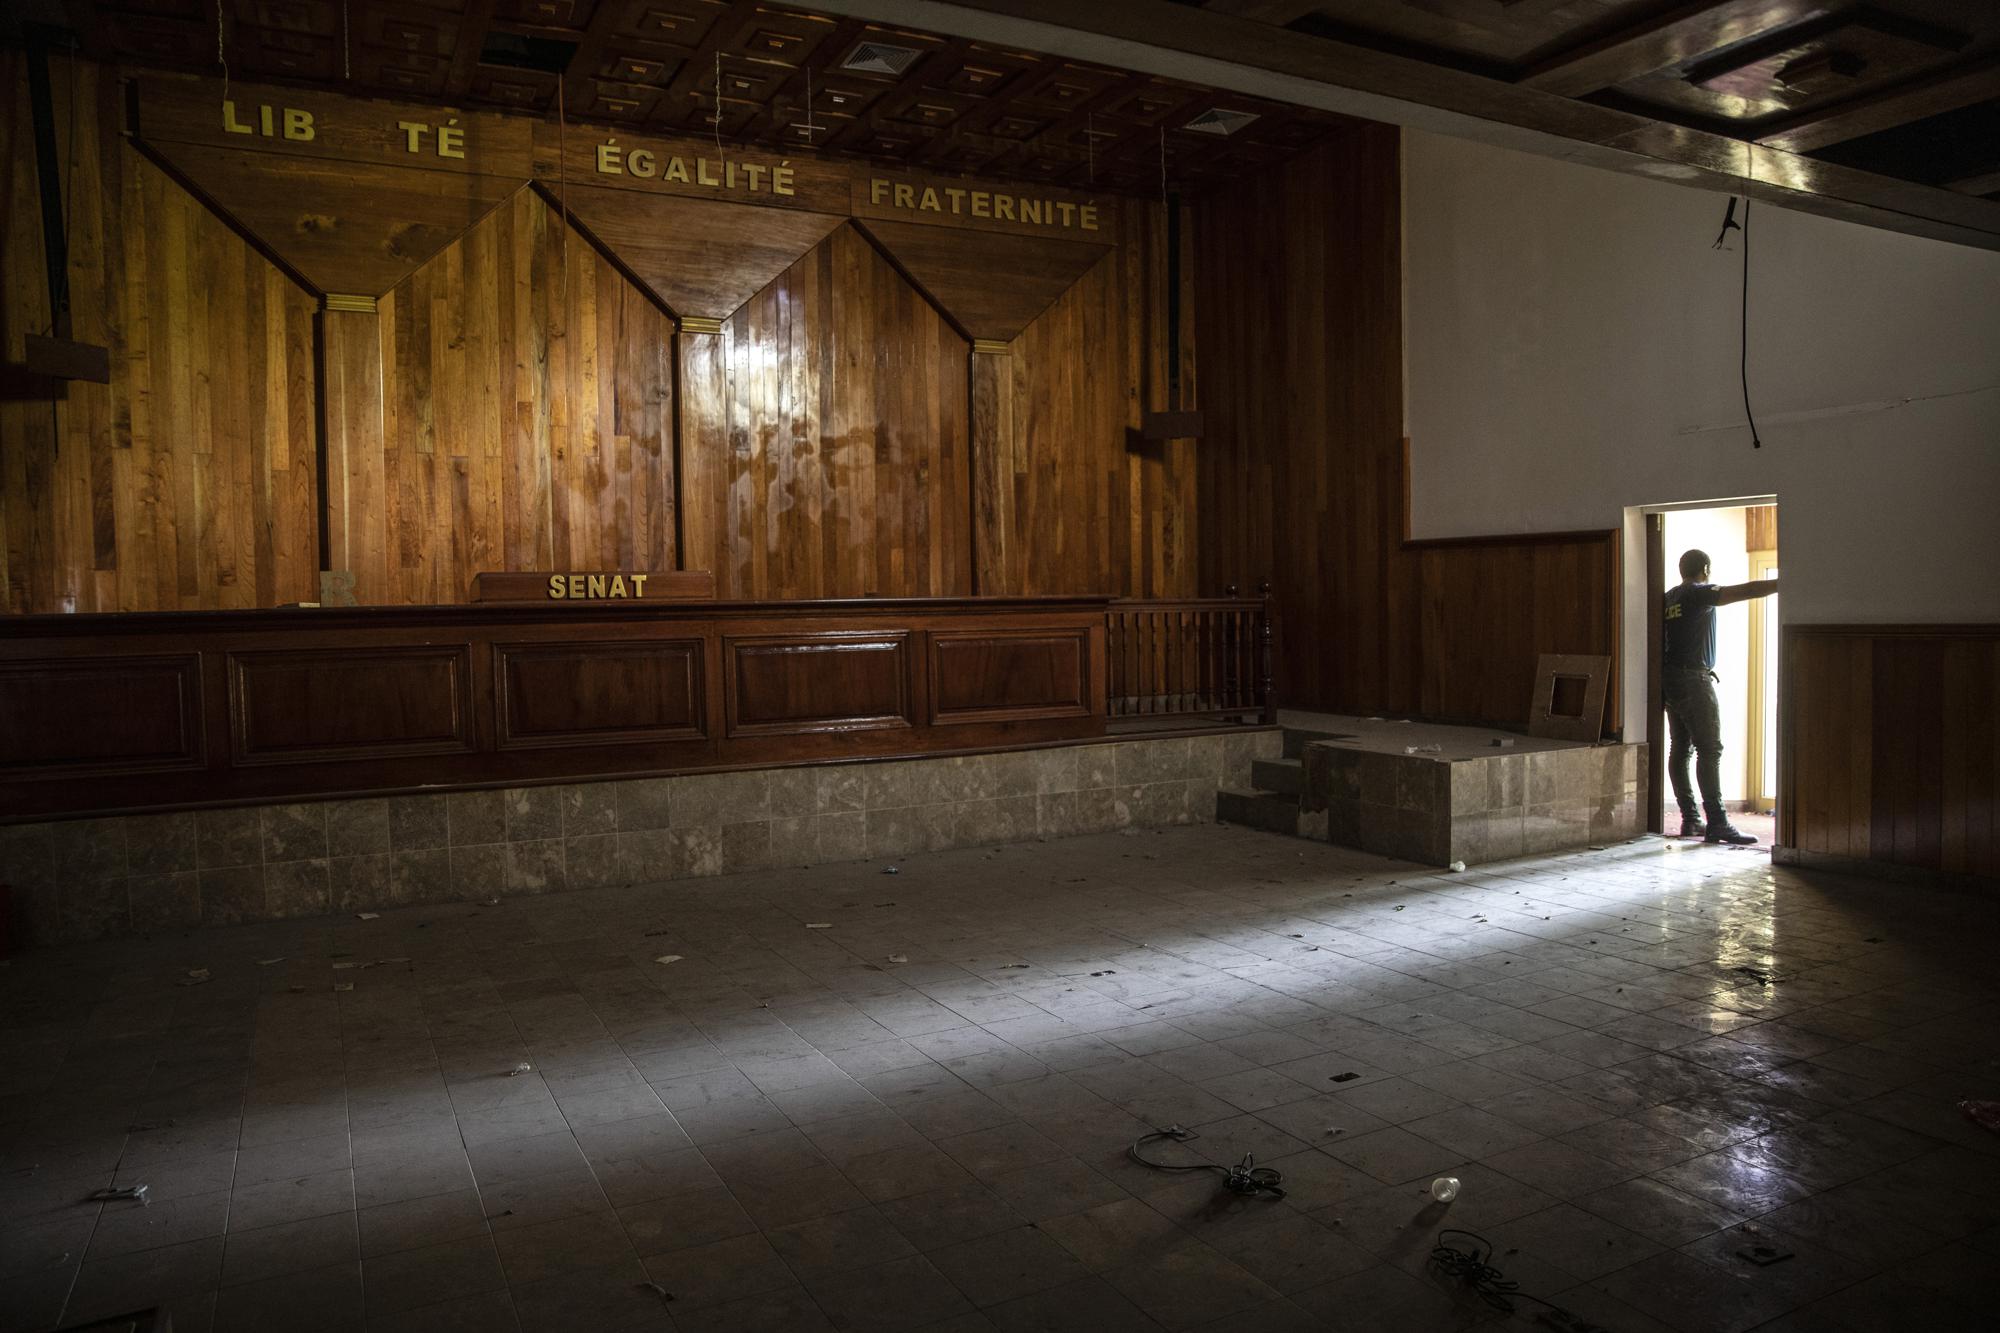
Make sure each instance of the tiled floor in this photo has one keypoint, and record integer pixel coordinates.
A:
(1641, 1062)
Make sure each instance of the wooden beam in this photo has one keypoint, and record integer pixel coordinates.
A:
(1986, 182)
(1279, 12)
(471, 40)
(1662, 42)
(1192, 45)
(1885, 110)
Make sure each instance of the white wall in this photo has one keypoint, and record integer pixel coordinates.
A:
(1567, 326)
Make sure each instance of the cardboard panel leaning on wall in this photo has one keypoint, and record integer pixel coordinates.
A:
(189, 481)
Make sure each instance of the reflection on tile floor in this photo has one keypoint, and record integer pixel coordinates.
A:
(1641, 1062)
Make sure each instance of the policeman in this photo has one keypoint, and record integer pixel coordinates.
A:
(1688, 681)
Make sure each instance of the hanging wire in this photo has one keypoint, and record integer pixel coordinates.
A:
(562, 203)
(346, 62)
(60, 296)
(69, 155)
(1163, 164)
(221, 57)
(717, 118)
(1743, 331)
(1090, 144)
(811, 128)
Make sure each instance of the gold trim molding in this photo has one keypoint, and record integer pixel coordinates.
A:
(991, 347)
(358, 305)
(699, 324)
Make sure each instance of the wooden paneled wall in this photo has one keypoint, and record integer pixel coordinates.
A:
(519, 402)
(847, 437)
(527, 415)
(190, 480)
(1891, 750)
(1103, 512)
(1303, 474)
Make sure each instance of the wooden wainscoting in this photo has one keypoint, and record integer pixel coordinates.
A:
(1304, 472)
(1888, 745)
(129, 712)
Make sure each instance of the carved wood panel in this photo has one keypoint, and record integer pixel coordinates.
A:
(598, 693)
(828, 681)
(117, 715)
(1000, 675)
(333, 703)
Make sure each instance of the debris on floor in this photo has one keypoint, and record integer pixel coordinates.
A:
(1423, 749)
(266, 962)
(1342, 1078)
(523, 1068)
(898, 958)
(130, 1192)
(1985, 1114)
(819, 925)
(195, 976)
(669, 958)
(1456, 867)
(1763, 1255)
(375, 916)
(890, 870)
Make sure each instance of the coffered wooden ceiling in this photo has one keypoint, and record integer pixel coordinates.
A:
(1903, 88)
(787, 77)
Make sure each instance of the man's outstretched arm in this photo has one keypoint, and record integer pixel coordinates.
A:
(1743, 592)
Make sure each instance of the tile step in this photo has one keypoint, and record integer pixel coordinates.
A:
(1278, 775)
(1273, 812)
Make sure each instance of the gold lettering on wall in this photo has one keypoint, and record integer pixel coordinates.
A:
(724, 176)
(448, 139)
(993, 205)
(270, 122)
(596, 587)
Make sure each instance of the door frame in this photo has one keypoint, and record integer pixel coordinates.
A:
(1763, 630)
(1652, 530)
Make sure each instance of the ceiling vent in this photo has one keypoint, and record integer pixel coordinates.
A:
(1220, 122)
(881, 58)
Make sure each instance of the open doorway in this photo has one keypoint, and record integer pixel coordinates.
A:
(1740, 538)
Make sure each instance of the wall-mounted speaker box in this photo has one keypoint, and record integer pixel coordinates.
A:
(62, 359)
(1170, 426)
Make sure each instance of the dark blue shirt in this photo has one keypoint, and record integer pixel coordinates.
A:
(1689, 638)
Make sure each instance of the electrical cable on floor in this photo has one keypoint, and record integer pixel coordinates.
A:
(1246, 1177)
(1494, 1287)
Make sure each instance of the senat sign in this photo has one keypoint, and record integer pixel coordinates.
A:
(595, 587)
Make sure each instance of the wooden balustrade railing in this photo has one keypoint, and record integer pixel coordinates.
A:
(1194, 657)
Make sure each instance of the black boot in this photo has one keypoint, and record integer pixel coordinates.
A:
(1721, 830)
(1691, 825)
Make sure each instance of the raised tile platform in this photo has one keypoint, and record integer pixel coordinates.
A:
(96, 878)
(1352, 781)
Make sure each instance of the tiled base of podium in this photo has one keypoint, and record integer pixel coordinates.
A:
(135, 875)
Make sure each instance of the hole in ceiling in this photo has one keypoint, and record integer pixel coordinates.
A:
(517, 51)
(880, 58)
(1220, 120)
